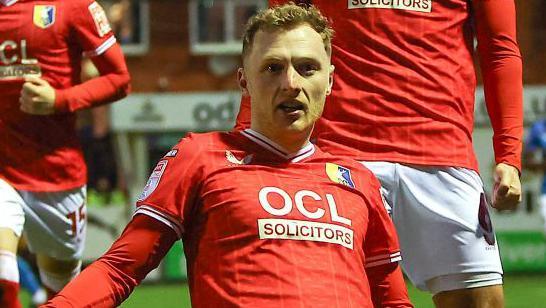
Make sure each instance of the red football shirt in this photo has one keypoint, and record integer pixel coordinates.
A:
(47, 39)
(264, 228)
(404, 80)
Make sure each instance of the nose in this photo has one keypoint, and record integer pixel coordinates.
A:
(291, 80)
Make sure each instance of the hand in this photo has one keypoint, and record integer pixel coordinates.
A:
(507, 189)
(37, 97)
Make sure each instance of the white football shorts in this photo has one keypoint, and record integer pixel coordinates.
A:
(54, 223)
(442, 220)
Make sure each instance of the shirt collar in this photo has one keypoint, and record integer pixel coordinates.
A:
(306, 151)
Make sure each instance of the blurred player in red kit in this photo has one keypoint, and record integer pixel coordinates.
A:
(42, 172)
(266, 217)
(403, 103)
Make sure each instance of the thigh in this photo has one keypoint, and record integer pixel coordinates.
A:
(56, 223)
(12, 218)
(444, 227)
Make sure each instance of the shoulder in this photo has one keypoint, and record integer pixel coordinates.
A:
(79, 9)
(369, 184)
(208, 140)
(199, 145)
(77, 6)
(82, 4)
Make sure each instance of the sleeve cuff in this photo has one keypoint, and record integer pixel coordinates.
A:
(61, 101)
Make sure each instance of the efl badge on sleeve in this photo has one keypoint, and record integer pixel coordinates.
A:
(99, 17)
(44, 16)
(153, 180)
(339, 174)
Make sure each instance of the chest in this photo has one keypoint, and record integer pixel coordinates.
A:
(394, 15)
(282, 203)
(31, 31)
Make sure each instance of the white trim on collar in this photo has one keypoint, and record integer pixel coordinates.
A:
(272, 146)
(8, 2)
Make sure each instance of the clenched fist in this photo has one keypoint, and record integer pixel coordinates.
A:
(37, 97)
(507, 189)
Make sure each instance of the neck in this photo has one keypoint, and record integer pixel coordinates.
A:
(290, 141)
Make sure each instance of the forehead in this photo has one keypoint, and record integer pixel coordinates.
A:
(300, 40)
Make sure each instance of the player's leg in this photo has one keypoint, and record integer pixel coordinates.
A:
(457, 257)
(11, 225)
(490, 297)
(29, 281)
(9, 275)
(55, 229)
(55, 273)
(447, 241)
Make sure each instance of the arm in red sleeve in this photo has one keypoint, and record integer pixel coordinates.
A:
(144, 242)
(501, 65)
(388, 287)
(112, 85)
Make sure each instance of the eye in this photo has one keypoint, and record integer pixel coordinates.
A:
(307, 69)
(274, 67)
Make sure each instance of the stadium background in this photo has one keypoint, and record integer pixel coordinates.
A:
(182, 56)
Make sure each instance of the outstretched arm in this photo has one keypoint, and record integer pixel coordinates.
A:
(109, 280)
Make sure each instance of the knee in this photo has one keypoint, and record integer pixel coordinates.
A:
(8, 258)
(55, 274)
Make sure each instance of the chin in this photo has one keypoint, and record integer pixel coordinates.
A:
(296, 127)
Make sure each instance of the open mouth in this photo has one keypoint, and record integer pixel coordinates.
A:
(291, 106)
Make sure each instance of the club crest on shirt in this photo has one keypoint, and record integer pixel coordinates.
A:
(153, 180)
(100, 19)
(44, 16)
(234, 160)
(339, 174)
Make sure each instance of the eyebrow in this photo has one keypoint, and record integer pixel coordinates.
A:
(297, 58)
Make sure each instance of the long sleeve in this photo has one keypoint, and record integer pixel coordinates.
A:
(112, 84)
(501, 64)
(144, 242)
(388, 287)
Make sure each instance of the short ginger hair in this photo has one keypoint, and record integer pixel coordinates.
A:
(286, 17)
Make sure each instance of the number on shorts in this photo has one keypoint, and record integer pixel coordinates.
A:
(77, 218)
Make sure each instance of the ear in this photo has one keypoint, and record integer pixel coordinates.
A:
(241, 81)
(330, 80)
